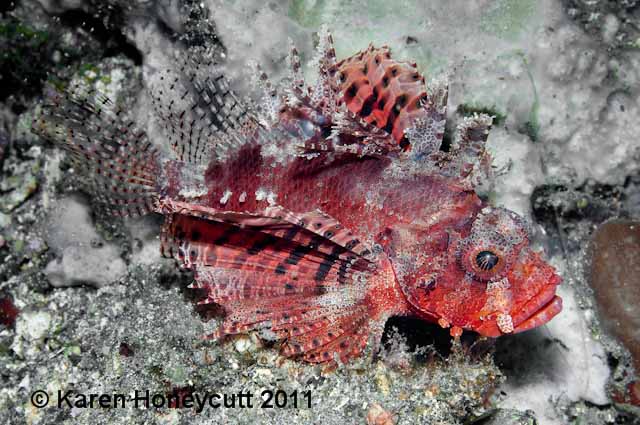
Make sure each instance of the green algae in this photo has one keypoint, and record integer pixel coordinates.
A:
(532, 126)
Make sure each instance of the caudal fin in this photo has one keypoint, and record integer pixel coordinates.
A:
(121, 164)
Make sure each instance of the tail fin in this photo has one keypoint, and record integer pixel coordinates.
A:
(121, 163)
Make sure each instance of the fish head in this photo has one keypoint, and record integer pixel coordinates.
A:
(482, 276)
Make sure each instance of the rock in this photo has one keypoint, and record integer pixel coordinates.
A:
(550, 363)
(508, 417)
(610, 21)
(634, 392)
(79, 265)
(80, 261)
(615, 267)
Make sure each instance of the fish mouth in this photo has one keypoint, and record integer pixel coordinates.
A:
(536, 312)
(541, 316)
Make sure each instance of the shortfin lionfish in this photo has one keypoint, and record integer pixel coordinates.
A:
(323, 210)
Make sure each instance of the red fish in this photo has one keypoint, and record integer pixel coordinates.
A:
(324, 211)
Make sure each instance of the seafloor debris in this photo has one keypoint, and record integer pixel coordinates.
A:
(376, 415)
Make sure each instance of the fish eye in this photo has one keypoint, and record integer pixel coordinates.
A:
(486, 260)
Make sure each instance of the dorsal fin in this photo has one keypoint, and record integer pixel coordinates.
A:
(382, 91)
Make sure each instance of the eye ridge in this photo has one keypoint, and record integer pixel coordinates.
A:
(487, 260)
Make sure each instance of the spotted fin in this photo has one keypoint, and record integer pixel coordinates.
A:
(201, 115)
(121, 163)
(298, 278)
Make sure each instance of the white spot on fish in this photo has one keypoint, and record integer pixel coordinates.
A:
(192, 192)
(243, 197)
(271, 198)
(226, 196)
(261, 194)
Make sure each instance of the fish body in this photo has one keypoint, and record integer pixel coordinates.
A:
(324, 211)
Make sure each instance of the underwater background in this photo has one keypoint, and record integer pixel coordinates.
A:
(87, 304)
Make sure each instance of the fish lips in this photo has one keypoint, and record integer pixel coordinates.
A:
(535, 312)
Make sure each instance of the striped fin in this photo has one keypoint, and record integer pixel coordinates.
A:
(285, 250)
(345, 335)
(325, 226)
(384, 92)
(297, 278)
(313, 321)
(278, 222)
(202, 117)
(121, 163)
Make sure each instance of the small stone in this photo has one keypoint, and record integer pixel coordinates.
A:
(5, 220)
(125, 350)
(264, 373)
(376, 415)
(72, 350)
(33, 325)
(242, 344)
(615, 267)
(26, 185)
(382, 380)
(176, 374)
